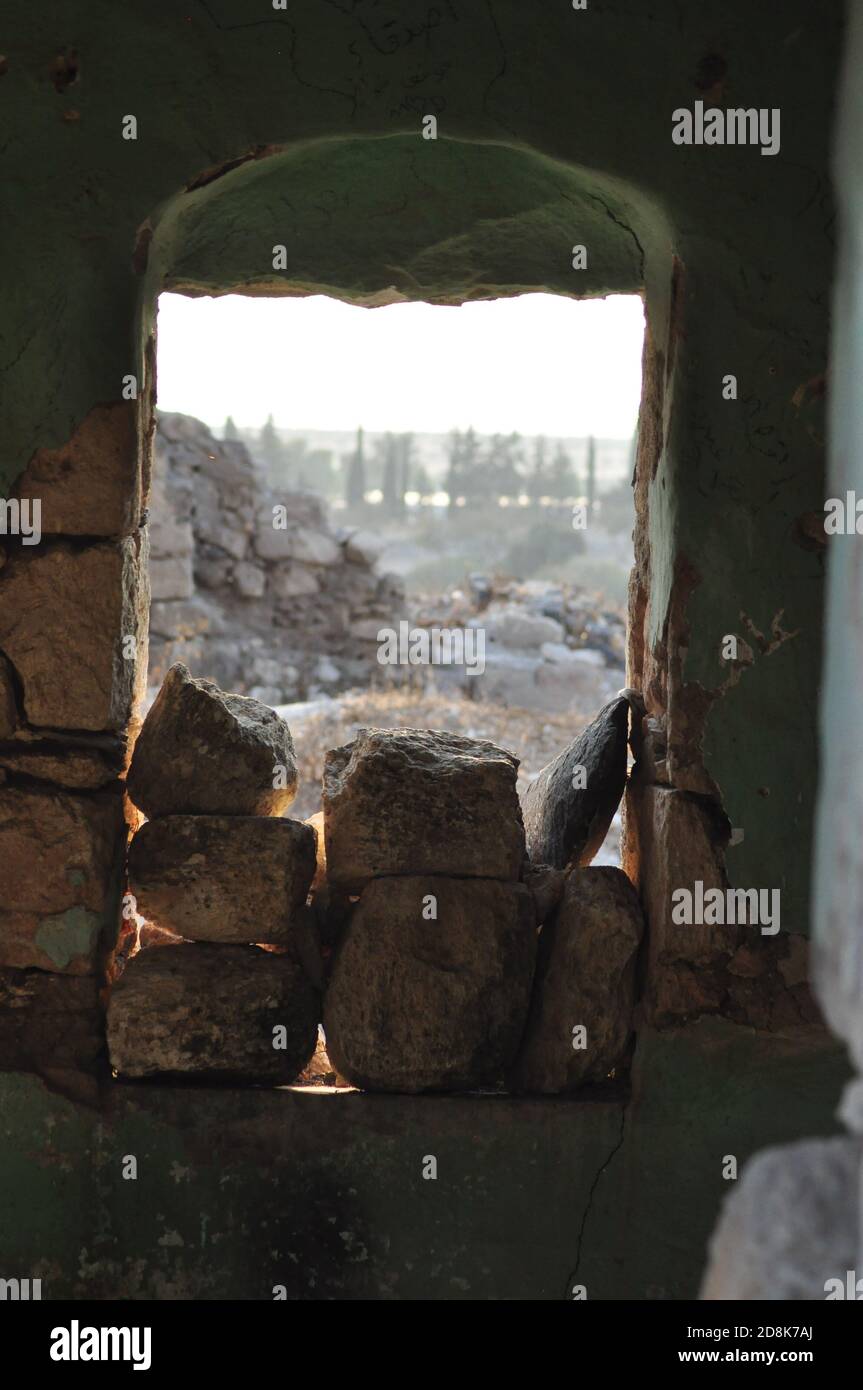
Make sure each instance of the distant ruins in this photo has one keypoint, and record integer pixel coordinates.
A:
(252, 588)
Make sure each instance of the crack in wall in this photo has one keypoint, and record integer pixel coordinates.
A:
(624, 226)
(618, 1145)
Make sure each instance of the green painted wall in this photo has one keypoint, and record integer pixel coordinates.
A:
(555, 129)
(238, 1191)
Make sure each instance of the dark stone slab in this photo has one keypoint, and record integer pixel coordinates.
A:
(565, 825)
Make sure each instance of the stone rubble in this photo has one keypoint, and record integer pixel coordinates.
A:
(548, 647)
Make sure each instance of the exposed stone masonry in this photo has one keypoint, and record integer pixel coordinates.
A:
(410, 902)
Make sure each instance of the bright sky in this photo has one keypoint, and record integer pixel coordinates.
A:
(537, 363)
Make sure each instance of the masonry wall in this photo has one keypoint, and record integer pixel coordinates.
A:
(303, 130)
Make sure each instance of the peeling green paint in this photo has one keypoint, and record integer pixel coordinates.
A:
(69, 935)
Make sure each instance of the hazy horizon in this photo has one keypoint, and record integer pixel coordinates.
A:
(538, 364)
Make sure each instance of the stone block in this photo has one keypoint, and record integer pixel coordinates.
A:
(585, 979)
(214, 1012)
(171, 578)
(169, 538)
(234, 879)
(91, 484)
(65, 614)
(249, 580)
(294, 581)
(60, 862)
(202, 751)
(305, 546)
(431, 984)
(417, 801)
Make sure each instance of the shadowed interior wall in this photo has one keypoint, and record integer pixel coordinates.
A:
(302, 128)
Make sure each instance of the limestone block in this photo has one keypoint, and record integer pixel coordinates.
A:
(213, 1012)
(171, 578)
(422, 1002)
(789, 1226)
(415, 801)
(306, 546)
(585, 978)
(235, 879)
(228, 538)
(65, 615)
(90, 485)
(228, 461)
(294, 581)
(212, 569)
(566, 822)
(249, 580)
(181, 618)
(169, 537)
(364, 548)
(60, 862)
(204, 752)
(358, 584)
(308, 509)
(74, 767)
(513, 626)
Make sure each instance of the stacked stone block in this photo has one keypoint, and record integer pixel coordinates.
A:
(217, 865)
(431, 981)
(74, 600)
(434, 985)
(414, 883)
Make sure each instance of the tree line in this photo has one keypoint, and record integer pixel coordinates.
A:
(478, 469)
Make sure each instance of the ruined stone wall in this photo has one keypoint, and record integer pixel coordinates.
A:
(253, 588)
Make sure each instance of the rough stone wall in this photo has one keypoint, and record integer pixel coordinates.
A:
(252, 588)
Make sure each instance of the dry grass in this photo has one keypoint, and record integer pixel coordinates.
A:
(534, 738)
